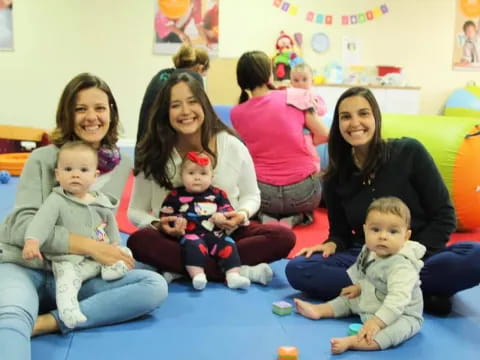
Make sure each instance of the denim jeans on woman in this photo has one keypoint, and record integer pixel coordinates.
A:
(25, 293)
(299, 198)
(448, 271)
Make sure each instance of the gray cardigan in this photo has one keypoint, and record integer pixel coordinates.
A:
(35, 185)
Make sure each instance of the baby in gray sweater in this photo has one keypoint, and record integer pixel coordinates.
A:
(82, 212)
(386, 287)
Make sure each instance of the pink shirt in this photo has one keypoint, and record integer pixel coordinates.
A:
(306, 99)
(273, 133)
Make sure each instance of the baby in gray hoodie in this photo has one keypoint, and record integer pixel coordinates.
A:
(386, 287)
(82, 212)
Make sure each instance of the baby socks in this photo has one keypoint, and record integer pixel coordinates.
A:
(199, 281)
(237, 281)
(117, 270)
(261, 273)
(68, 281)
(171, 276)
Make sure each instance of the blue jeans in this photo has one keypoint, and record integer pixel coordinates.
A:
(293, 199)
(455, 268)
(24, 293)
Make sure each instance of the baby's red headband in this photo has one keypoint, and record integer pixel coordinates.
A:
(198, 158)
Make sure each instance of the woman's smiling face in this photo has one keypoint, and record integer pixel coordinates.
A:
(92, 116)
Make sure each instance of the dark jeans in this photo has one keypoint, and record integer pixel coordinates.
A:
(256, 243)
(448, 271)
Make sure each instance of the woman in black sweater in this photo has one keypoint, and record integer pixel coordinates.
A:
(363, 167)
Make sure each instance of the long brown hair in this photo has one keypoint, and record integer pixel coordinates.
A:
(156, 147)
(254, 69)
(340, 152)
(65, 119)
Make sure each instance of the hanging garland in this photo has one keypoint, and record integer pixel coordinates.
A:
(328, 19)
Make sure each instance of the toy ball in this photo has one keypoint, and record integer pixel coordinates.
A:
(4, 176)
(464, 102)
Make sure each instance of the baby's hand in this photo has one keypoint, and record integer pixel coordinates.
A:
(31, 250)
(232, 220)
(351, 291)
(370, 328)
(218, 219)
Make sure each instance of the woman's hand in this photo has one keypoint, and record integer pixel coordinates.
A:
(108, 254)
(232, 220)
(327, 249)
(172, 225)
(105, 254)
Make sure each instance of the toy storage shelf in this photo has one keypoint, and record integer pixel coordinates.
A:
(392, 100)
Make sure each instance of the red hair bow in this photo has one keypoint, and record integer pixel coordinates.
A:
(198, 159)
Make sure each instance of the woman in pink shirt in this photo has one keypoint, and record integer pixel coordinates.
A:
(273, 133)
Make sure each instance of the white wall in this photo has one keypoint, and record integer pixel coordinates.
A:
(56, 39)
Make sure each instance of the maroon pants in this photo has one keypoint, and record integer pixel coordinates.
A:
(256, 243)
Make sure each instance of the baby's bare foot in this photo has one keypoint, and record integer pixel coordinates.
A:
(313, 311)
(339, 345)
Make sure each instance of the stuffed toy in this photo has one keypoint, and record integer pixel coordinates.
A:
(285, 56)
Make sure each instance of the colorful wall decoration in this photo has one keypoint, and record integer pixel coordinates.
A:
(192, 22)
(6, 28)
(466, 52)
(331, 19)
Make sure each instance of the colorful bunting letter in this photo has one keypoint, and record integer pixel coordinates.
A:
(293, 10)
(285, 6)
(277, 3)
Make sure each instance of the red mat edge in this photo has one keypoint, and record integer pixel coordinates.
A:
(306, 235)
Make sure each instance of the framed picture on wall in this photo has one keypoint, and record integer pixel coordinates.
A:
(193, 22)
(466, 53)
(6, 28)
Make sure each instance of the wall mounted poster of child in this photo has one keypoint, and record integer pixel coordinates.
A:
(180, 22)
(466, 53)
(6, 30)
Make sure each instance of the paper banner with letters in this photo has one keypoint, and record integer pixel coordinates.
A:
(321, 18)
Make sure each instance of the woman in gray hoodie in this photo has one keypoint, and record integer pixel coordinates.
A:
(87, 111)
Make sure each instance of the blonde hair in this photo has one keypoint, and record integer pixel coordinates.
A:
(391, 205)
(78, 145)
(303, 67)
(189, 56)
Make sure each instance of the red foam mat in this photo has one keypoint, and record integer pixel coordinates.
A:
(306, 235)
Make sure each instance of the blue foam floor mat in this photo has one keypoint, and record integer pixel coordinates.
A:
(219, 323)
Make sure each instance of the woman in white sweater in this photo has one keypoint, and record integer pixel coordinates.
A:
(183, 120)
